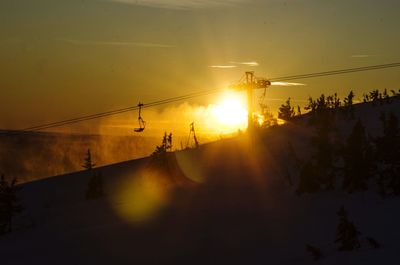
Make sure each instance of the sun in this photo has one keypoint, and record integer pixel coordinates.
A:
(231, 113)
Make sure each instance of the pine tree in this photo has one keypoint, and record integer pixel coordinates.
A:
(386, 96)
(347, 233)
(9, 204)
(95, 187)
(324, 158)
(314, 251)
(374, 96)
(166, 145)
(373, 243)
(286, 111)
(169, 142)
(365, 98)
(348, 103)
(268, 118)
(322, 103)
(309, 182)
(388, 154)
(336, 101)
(298, 110)
(311, 106)
(88, 164)
(357, 157)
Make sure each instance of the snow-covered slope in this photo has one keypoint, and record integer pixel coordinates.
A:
(227, 202)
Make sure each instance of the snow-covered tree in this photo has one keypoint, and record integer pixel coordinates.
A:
(9, 204)
(357, 157)
(347, 233)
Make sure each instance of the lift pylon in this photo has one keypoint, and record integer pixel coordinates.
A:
(251, 82)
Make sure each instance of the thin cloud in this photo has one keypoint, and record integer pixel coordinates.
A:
(361, 55)
(223, 66)
(179, 4)
(117, 43)
(246, 63)
(287, 84)
(284, 99)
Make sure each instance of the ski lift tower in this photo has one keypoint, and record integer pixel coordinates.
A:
(251, 83)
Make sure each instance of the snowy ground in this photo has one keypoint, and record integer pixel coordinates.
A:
(228, 203)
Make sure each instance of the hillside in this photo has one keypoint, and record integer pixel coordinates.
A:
(33, 150)
(229, 202)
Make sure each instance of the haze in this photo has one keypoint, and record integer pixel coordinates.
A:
(61, 59)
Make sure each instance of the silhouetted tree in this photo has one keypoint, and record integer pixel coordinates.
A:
(311, 106)
(9, 204)
(322, 103)
(268, 118)
(291, 161)
(385, 96)
(336, 101)
(347, 233)
(292, 156)
(166, 145)
(159, 158)
(388, 155)
(324, 120)
(322, 110)
(298, 110)
(348, 103)
(286, 111)
(374, 96)
(169, 142)
(95, 187)
(373, 243)
(324, 158)
(309, 182)
(357, 157)
(88, 164)
(314, 251)
(366, 98)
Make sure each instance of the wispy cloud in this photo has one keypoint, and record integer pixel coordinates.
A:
(223, 66)
(246, 63)
(117, 43)
(234, 65)
(287, 84)
(284, 99)
(180, 4)
(361, 55)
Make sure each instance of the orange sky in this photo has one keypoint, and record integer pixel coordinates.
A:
(62, 59)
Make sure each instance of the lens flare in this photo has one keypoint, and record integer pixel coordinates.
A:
(140, 199)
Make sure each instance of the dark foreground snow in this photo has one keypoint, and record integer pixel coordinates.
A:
(225, 203)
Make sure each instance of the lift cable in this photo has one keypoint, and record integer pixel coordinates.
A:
(201, 93)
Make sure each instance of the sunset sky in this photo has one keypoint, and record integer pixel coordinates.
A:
(66, 58)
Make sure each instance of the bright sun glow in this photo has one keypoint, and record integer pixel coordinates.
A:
(230, 113)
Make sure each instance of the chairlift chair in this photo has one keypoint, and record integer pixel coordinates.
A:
(142, 123)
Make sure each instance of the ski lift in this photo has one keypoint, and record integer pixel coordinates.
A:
(192, 132)
(262, 83)
(142, 123)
